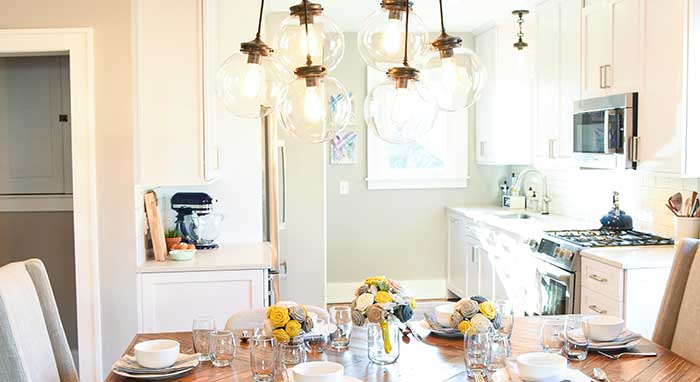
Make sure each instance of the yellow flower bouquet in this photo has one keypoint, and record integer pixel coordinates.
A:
(287, 322)
(475, 315)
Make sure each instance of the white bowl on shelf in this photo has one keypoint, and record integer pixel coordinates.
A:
(443, 313)
(536, 367)
(157, 354)
(603, 328)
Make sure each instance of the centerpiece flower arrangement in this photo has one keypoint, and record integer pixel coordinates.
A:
(378, 301)
(288, 322)
(475, 315)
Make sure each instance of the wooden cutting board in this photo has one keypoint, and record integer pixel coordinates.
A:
(155, 224)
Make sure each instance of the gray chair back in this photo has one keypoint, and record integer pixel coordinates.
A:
(33, 345)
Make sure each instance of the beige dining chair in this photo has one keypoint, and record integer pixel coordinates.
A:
(33, 345)
(254, 318)
(676, 324)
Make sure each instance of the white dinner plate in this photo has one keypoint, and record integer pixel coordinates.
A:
(616, 347)
(151, 377)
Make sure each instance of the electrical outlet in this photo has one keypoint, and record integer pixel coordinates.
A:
(344, 187)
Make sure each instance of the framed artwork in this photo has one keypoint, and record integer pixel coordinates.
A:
(437, 160)
(343, 149)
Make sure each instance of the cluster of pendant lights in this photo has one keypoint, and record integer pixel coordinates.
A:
(315, 107)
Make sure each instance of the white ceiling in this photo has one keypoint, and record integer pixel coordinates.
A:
(460, 15)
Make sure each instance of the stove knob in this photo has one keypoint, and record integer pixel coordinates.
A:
(566, 254)
(557, 252)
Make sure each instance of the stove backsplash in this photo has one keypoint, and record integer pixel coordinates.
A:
(587, 194)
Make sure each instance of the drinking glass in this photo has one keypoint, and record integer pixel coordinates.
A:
(477, 353)
(292, 354)
(316, 342)
(500, 351)
(202, 328)
(341, 316)
(552, 335)
(221, 348)
(505, 308)
(576, 339)
(263, 358)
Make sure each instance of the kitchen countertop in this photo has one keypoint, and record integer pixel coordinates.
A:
(228, 257)
(532, 228)
(632, 257)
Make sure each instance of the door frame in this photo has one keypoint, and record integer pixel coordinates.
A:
(78, 43)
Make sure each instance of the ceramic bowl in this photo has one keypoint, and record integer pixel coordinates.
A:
(443, 313)
(318, 372)
(182, 254)
(157, 354)
(535, 367)
(603, 328)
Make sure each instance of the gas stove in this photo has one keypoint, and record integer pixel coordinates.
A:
(594, 238)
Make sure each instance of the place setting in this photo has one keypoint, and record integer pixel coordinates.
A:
(155, 360)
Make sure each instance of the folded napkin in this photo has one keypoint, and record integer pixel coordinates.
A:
(625, 338)
(436, 327)
(129, 365)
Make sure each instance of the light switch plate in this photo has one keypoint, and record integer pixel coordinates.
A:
(344, 187)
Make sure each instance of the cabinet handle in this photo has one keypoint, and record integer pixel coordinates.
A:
(596, 309)
(601, 78)
(608, 85)
(482, 148)
(598, 278)
(552, 144)
(634, 149)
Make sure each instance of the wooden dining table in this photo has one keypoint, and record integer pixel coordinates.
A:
(427, 358)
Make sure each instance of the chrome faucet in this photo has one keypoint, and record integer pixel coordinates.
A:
(546, 199)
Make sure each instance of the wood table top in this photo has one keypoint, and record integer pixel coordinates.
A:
(436, 359)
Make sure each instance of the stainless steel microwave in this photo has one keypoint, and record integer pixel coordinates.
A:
(605, 132)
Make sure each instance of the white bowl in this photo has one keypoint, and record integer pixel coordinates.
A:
(157, 354)
(535, 367)
(603, 328)
(443, 313)
(318, 372)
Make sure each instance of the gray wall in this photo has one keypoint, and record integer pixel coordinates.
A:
(399, 233)
(47, 236)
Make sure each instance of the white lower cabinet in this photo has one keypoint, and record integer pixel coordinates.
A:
(169, 301)
(631, 294)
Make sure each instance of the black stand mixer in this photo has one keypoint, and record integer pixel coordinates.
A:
(195, 219)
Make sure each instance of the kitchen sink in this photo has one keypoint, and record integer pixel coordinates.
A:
(515, 216)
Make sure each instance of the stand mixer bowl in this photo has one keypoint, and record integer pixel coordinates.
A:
(205, 229)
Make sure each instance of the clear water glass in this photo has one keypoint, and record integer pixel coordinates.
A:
(263, 358)
(552, 336)
(341, 316)
(477, 353)
(316, 343)
(222, 348)
(505, 308)
(292, 354)
(500, 351)
(577, 341)
(202, 328)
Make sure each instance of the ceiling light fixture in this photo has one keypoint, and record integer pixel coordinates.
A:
(315, 107)
(380, 36)
(308, 30)
(251, 82)
(520, 44)
(401, 109)
(456, 73)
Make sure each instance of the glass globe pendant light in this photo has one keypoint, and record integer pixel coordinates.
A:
(401, 109)
(381, 36)
(316, 107)
(455, 73)
(324, 41)
(251, 82)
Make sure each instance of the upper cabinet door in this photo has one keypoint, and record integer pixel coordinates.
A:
(485, 45)
(596, 32)
(570, 75)
(691, 157)
(32, 96)
(548, 78)
(624, 72)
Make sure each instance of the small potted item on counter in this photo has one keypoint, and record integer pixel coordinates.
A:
(173, 237)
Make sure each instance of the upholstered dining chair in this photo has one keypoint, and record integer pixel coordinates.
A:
(676, 325)
(33, 345)
(254, 318)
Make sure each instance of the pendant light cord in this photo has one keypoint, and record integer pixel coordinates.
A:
(442, 19)
(262, 6)
(306, 25)
(405, 39)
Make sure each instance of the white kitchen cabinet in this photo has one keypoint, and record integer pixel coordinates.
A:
(504, 113)
(457, 256)
(175, 146)
(632, 294)
(169, 301)
(35, 136)
(612, 41)
(691, 86)
(558, 73)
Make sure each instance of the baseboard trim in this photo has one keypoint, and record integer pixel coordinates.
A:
(421, 289)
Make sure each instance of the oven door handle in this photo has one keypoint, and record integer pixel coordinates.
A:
(606, 133)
